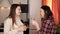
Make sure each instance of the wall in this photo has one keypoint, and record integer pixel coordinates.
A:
(20, 1)
(4, 13)
(5, 3)
(34, 12)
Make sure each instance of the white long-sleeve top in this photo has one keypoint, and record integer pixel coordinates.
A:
(8, 29)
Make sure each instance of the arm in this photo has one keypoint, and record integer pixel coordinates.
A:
(35, 23)
(7, 27)
(53, 27)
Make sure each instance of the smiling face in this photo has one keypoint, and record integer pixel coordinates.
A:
(42, 13)
(18, 10)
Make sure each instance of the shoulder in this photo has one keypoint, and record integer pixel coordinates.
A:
(7, 23)
(8, 20)
(48, 21)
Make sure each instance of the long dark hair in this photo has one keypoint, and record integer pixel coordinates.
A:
(47, 11)
(13, 12)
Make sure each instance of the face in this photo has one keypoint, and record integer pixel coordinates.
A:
(42, 13)
(18, 10)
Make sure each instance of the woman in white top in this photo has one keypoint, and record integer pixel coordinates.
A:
(13, 24)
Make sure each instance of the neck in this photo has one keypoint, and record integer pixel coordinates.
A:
(17, 16)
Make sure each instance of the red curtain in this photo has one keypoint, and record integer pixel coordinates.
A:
(44, 2)
(59, 10)
(55, 9)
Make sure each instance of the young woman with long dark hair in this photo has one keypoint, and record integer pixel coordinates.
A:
(48, 25)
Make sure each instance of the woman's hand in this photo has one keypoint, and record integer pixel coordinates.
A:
(32, 21)
(35, 23)
(25, 27)
(22, 28)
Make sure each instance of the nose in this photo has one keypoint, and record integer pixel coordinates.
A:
(20, 11)
(40, 14)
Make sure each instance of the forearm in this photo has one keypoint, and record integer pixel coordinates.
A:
(37, 26)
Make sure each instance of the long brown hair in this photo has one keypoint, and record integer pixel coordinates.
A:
(13, 12)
